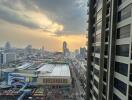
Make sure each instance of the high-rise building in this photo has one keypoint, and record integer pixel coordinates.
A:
(28, 50)
(65, 49)
(7, 47)
(6, 58)
(1, 58)
(109, 70)
(83, 52)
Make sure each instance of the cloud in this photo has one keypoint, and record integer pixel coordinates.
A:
(70, 13)
(20, 36)
(28, 17)
(56, 16)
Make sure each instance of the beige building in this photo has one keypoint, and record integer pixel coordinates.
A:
(54, 75)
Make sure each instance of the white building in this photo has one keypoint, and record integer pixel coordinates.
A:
(54, 75)
(7, 57)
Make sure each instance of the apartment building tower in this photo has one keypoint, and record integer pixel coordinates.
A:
(109, 70)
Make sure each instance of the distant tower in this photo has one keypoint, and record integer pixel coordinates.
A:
(42, 48)
(42, 51)
(28, 50)
(7, 46)
(65, 49)
(64, 46)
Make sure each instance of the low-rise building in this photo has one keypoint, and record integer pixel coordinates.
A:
(54, 76)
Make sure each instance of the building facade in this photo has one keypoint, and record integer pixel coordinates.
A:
(6, 58)
(54, 76)
(66, 51)
(109, 70)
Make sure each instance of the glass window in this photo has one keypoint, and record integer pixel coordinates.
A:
(97, 49)
(95, 95)
(105, 76)
(99, 15)
(104, 89)
(96, 83)
(121, 1)
(99, 26)
(98, 38)
(105, 63)
(122, 50)
(130, 92)
(106, 50)
(121, 68)
(125, 13)
(96, 72)
(106, 36)
(121, 86)
(96, 61)
(123, 32)
(115, 97)
(99, 4)
(130, 78)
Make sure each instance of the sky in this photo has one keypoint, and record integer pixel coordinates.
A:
(43, 23)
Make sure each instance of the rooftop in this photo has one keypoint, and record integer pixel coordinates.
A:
(24, 66)
(55, 70)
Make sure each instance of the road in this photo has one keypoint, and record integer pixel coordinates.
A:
(78, 87)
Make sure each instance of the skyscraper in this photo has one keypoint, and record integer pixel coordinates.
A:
(64, 46)
(7, 47)
(83, 52)
(65, 49)
(109, 71)
(28, 50)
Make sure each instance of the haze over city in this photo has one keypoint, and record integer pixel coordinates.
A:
(43, 22)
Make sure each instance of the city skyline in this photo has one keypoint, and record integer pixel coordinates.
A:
(38, 22)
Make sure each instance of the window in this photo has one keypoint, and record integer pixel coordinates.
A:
(121, 68)
(91, 76)
(124, 14)
(105, 63)
(92, 58)
(97, 49)
(130, 93)
(91, 86)
(104, 89)
(91, 68)
(99, 4)
(107, 23)
(96, 61)
(115, 97)
(90, 95)
(130, 73)
(122, 50)
(105, 76)
(106, 50)
(107, 36)
(98, 38)
(120, 2)
(123, 32)
(96, 72)
(99, 25)
(99, 15)
(96, 83)
(121, 86)
(95, 95)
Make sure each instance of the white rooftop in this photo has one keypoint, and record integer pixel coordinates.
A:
(24, 66)
(55, 70)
